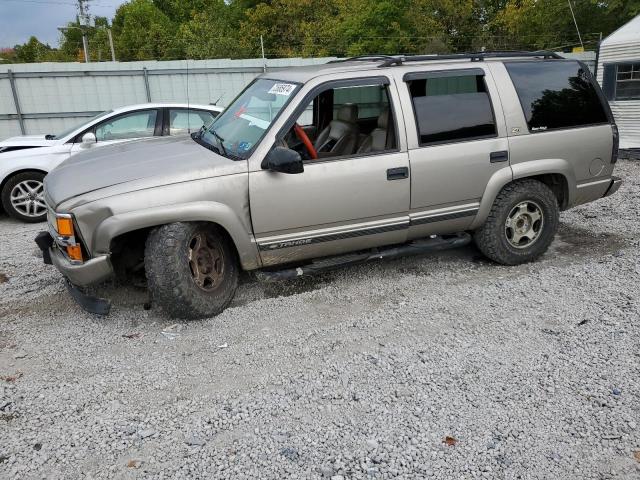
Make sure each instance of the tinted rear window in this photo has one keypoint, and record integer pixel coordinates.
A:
(452, 109)
(556, 94)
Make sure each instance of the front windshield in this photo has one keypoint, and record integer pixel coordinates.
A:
(242, 125)
(61, 135)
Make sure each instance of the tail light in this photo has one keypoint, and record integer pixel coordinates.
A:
(616, 143)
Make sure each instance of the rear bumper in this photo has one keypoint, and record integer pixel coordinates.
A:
(613, 186)
(92, 271)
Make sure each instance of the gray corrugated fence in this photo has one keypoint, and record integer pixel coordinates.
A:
(38, 98)
(42, 98)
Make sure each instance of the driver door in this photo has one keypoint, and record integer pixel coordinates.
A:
(351, 201)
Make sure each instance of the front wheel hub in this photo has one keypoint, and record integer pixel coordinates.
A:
(206, 262)
(524, 224)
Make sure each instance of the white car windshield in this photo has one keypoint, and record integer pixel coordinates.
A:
(61, 135)
(242, 125)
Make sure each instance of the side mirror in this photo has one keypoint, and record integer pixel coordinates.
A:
(88, 139)
(283, 160)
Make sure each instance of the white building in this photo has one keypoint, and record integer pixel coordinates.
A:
(619, 74)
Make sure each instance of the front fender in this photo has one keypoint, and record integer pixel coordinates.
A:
(202, 211)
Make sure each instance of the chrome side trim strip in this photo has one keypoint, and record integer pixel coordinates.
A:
(330, 237)
(444, 214)
(596, 182)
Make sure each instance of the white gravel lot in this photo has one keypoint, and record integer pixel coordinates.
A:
(443, 366)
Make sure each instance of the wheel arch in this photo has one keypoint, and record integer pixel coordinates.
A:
(217, 214)
(557, 174)
(12, 174)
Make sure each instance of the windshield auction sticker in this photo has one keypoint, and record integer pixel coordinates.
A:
(282, 89)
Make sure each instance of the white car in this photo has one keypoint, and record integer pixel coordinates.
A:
(25, 160)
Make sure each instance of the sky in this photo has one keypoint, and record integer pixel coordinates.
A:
(20, 19)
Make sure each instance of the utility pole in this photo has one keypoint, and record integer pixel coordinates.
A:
(113, 52)
(84, 20)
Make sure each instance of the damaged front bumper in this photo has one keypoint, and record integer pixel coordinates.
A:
(77, 276)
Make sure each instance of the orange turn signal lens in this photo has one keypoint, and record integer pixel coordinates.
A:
(74, 252)
(64, 225)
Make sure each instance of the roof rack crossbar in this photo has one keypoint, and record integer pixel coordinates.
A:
(474, 57)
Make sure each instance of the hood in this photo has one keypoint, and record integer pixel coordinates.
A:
(133, 166)
(27, 141)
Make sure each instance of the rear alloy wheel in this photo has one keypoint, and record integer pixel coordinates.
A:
(23, 197)
(191, 268)
(524, 224)
(521, 225)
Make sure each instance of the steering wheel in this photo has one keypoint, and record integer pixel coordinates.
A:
(304, 138)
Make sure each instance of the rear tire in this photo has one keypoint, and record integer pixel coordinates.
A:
(191, 269)
(23, 197)
(521, 225)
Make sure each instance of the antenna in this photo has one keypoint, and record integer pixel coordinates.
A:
(264, 60)
(576, 24)
(188, 103)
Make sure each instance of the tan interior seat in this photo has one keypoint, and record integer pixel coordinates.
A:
(340, 137)
(378, 140)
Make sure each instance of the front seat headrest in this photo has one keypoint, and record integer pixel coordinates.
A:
(348, 113)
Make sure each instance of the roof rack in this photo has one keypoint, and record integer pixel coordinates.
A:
(474, 57)
(363, 58)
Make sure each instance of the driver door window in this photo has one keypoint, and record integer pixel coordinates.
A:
(128, 126)
(344, 122)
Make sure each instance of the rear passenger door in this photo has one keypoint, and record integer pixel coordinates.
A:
(457, 142)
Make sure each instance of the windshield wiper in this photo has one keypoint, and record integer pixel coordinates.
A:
(49, 137)
(220, 141)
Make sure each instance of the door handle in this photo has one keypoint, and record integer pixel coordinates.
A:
(397, 173)
(501, 156)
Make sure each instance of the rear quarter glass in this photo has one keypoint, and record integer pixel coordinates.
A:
(556, 94)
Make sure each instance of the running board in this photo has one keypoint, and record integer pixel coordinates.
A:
(416, 247)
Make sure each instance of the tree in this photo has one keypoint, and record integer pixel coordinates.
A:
(32, 51)
(142, 32)
(379, 26)
(212, 32)
(549, 24)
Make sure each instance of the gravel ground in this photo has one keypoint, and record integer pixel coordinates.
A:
(444, 366)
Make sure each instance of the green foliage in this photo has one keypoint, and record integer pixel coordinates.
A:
(211, 32)
(198, 29)
(141, 31)
(32, 51)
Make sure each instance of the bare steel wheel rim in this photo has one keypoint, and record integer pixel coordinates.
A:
(524, 223)
(27, 198)
(206, 261)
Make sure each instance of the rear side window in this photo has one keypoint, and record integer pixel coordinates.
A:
(451, 108)
(556, 94)
(182, 120)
